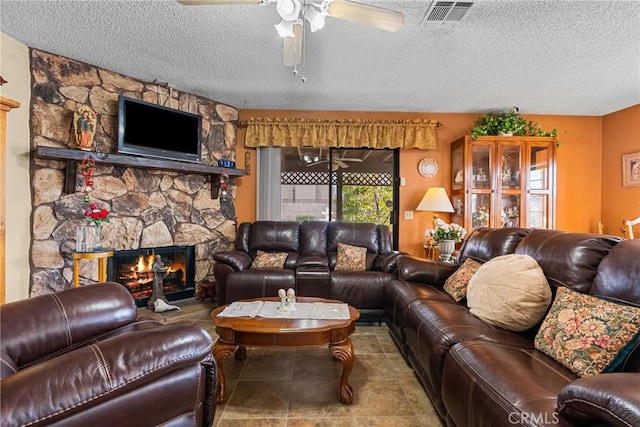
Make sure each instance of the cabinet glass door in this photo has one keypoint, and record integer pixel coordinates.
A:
(510, 213)
(539, 168)
(538, 210)
(511, 164)
(539, 193)
(480, 210)
(457, 166)
(481, 158)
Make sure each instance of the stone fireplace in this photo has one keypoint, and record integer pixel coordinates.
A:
(133, 270)
(149, 208)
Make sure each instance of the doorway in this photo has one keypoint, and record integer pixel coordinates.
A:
(338, 184)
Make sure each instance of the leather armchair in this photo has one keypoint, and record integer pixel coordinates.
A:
(82, 357)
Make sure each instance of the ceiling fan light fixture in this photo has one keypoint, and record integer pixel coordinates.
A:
(289, 10)
(315, 18)
(285, 28)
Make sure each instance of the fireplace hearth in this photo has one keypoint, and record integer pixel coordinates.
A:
(132, 269)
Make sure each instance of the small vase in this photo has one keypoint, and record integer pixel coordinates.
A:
(97, 241)
(446, 249)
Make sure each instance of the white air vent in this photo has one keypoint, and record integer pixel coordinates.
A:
(446, 12)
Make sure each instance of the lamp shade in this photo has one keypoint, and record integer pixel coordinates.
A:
(435, 200)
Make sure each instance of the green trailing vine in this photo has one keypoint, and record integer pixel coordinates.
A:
(509, 123)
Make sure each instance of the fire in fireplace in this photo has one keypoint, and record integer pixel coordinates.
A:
(132, 269)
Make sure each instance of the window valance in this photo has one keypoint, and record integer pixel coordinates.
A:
(295, 132)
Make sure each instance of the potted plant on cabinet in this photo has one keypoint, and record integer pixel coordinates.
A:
(508, 123)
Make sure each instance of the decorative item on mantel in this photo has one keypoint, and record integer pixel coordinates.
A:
(224, 185)
(92, 212)
(84, 127)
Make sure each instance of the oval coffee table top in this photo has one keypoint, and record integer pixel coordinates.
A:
(282, 326)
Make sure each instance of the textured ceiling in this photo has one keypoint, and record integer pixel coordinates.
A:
(546, 57)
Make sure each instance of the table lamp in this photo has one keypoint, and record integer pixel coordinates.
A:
(435, 200)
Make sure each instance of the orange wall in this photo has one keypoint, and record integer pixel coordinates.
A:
(578, 163)
(620, 135)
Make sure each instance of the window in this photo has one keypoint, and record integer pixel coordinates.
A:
(356, 185)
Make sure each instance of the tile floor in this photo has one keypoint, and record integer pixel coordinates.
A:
(276, 387)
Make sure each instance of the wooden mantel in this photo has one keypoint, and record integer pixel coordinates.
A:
(6, 105)
(73, 156)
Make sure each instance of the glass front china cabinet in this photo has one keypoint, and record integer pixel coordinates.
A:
(503, 181)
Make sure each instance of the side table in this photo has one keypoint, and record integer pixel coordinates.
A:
(102, 264)
(431, 251)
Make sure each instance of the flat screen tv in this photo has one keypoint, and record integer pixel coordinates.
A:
(152, 130)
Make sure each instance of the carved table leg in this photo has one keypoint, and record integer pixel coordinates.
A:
(344, 351)
(220, 351)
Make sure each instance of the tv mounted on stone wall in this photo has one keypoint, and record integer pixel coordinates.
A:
(152, 130)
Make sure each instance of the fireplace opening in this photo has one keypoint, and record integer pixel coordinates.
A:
(133, 270)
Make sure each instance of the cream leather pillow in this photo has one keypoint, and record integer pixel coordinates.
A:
(510, 292)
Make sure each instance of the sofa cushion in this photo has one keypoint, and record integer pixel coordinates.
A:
(351, 258)
(587, 334)
(509, 291)
(567, 259)
(496, 384)
(456, 284)
(486, 243)
(274, 236)
(618, 276)
(269, 260)
(361, 289)
(361, 234)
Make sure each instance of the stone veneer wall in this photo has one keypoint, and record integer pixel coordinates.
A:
(148, 208)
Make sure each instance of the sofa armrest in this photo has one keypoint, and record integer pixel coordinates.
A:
(235, 259)
(611, 399)
(39, 327)
(415, 269)
(387, 262)
(91, 375)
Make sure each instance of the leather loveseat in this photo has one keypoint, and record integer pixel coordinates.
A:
(81, 357)
(481, 375)
(309, 268)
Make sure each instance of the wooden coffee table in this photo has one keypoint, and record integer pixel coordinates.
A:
(237, 333)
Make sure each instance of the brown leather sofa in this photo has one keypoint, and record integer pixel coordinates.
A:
(81, 357)
(478, 375)
(309, 266)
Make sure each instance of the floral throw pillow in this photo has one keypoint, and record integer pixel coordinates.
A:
(351, 258)
(456, 284)
(269, 260)
(587, 334)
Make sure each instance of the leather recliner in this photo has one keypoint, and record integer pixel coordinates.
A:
(81, 357)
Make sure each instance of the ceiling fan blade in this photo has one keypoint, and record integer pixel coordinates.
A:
(216, 2)
(341, 164)
(317, 163)
(350, 159)
(293, 47)
(384, 19)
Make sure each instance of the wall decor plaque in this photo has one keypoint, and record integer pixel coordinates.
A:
(428, 167)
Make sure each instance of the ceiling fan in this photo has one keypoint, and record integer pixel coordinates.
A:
(337, 162)
(295, 12)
